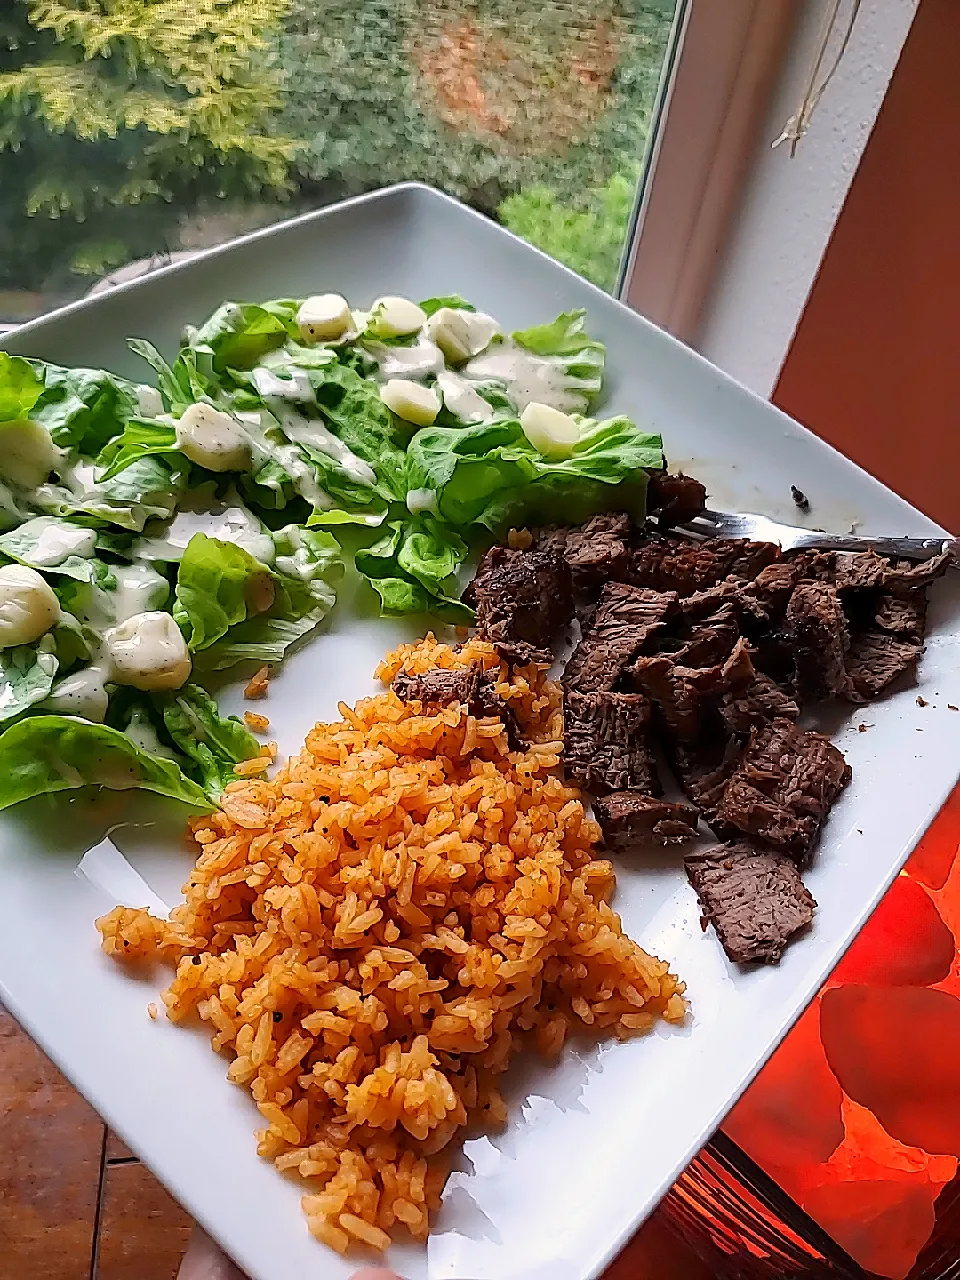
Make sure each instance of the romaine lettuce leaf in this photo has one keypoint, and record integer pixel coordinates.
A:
(488, 473)
(453, 300)
(147, 489)
(180, 384)
(218, 585)
(83, 408)
(53, 545)
(566, 339)
(26, 676)
(239, 334)
(231, 607)
(42, 754)
(212, 743)
(20, 388)
(141, 437)
(413, 569)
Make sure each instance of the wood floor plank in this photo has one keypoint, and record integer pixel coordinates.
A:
(143, 1231)
(49, 1165)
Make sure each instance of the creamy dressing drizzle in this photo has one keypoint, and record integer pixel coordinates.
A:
(227, 523)
(528, 378)
(420, 361)
(463, 400)
(288, 456)
(55, 540)
(312, 432)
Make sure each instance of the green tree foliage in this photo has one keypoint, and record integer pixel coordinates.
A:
(587, 233)
(478, 97)
(118, 115)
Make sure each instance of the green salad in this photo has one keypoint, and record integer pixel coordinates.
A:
(153, 534)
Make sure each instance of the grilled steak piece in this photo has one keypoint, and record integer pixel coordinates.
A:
(784, 786)
(606, 742)
(628, 819)
(474, 686)
(753, 897)
(905, 617)
(598, 552)
(674, 499)
(820, 639)
(677, 692)
(903, 578)
(666, 564)
(860, 570)
(703, 771)
(751, 698)
(522, 599)
(626, 618)
(710, 641)
(876, 659)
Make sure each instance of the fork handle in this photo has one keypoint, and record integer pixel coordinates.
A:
(898, 548)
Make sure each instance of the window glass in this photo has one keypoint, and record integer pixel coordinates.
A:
(133, 131)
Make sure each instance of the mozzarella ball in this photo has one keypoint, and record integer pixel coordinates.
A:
(551, 432)
(396, 317)
(28, 606)
(324, 317)
(149, 652)
(27, 453)
(214, 439)
(411, 401)
(461, 334)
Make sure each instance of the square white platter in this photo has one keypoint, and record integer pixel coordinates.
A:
(592, 1144)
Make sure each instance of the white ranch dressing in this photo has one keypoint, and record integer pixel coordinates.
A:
(82, 693)
(55, 540)
(416, 362)
(288, 456)
(143, 735)
(226, 523)
(140, 588)
(528, 378)
(463, 400)
(312, 432)
(296, 386)
(422, 500)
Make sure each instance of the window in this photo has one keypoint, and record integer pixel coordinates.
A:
(134, 131)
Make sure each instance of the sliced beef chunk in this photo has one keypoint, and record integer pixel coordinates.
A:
(440, 685)
(710, 641)
(905, 617)
(820, 640)
(703, 771)
(754, 898)
(474, 686)
(606, 742)
(687, 567)
(676, 690)
(701, 604)
(860, 570)
(903, 578)
(628, 819)
(876, 659)
(674, 499)
(774, 585)
(625, 620)
(522, 599)
(784, 786)
(751, 698)
(598, 552)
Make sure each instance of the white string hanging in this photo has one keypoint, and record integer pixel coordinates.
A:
(799, 122)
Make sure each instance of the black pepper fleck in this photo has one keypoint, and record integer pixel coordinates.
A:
(197, 960)
(922, 702)
(800, 498)
(277, 1015)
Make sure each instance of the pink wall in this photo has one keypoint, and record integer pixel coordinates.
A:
(875, 364)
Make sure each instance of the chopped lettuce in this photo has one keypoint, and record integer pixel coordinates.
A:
(414, 567)
(490, 473)
(141, 438)
(54, 545)
(180, 384)
(42, 754)
(432, 305)
(83, 408)
(147, 489)
(20, 388)
(26, 676)
(239, 334)
(230, 606)
(212, 744)
(566, 340)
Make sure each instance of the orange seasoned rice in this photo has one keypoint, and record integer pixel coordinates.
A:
(374, 933)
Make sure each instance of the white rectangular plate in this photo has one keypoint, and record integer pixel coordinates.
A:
(593, 1143)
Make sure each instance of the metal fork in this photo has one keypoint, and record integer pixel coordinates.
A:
(722, 524)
